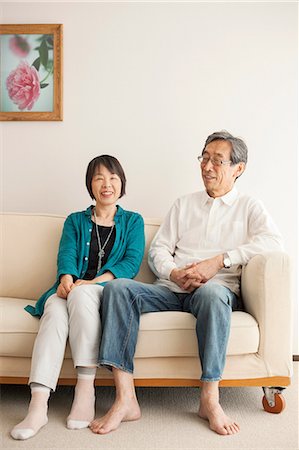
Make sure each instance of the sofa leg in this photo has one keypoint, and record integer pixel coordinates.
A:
(273, 400)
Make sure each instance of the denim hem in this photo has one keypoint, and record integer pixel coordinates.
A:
(210, 379)
(109, 365)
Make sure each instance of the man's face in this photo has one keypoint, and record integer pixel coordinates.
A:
(219, 180)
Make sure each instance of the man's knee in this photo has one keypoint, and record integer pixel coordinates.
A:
(118, 288)
(119, 295)
(211, 296)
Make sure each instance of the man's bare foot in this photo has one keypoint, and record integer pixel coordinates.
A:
(218, 420)
(121, 411)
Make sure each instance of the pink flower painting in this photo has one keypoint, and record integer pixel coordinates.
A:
(27, 72)
(19, 46)
(23, 86)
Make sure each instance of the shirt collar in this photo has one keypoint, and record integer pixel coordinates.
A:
(228, 198)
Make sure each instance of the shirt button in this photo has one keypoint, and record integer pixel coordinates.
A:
(86, 259)
(90, 230)
(87, 243)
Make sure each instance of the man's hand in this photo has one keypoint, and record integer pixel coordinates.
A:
(205, 270)
(179, 277)
(65, 286)
(195, 275)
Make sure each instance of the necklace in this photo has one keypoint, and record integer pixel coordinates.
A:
(101, 253)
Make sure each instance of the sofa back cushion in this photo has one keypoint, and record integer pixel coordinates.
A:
(28, 254)
(145, 274)
(29, 245)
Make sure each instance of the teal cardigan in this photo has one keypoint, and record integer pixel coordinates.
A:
(124, 260)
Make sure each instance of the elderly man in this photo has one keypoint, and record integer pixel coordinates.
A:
(197, 256)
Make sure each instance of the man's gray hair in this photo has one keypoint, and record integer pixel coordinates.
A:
(239, 148)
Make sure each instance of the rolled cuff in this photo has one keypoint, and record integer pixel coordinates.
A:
(236, 258)
(167, 269)
(110, 365)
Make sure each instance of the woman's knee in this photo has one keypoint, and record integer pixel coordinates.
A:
(77, 292)
(55, 311)
(55, 306)
(84, 296)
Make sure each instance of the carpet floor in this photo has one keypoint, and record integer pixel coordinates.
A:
(169, 421)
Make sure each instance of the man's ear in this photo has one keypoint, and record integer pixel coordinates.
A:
(239, 169)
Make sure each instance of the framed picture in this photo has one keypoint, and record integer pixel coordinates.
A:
(31, 72)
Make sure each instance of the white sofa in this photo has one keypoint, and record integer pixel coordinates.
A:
(259, 349)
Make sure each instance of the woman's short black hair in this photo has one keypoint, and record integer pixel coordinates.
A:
(112, 164)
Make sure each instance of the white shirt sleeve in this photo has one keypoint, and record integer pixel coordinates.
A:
(263, 235)
(162, 248)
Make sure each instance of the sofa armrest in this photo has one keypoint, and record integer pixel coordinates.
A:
(265, 287)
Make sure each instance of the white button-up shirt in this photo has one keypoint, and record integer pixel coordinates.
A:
(199, 227)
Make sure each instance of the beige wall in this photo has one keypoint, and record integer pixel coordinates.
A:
(147, 82)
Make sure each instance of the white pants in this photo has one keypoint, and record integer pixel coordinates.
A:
(76, 318)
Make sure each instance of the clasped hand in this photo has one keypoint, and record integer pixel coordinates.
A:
(196, 274)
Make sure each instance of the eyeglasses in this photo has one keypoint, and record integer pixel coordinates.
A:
(203, 159)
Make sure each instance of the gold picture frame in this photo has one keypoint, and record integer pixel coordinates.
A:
(31, 72)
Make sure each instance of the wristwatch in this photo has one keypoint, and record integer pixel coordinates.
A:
(226, 261)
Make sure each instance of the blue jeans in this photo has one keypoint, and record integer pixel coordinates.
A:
(124, 300)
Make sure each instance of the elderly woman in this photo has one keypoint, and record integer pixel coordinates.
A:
(97, 245)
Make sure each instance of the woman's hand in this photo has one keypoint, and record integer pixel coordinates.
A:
(107, 276)
(65, 286)
(80, 282)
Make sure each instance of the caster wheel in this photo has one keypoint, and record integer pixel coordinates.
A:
(279, 404)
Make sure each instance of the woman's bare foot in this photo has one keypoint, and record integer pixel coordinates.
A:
(121, 411)
(211, 410)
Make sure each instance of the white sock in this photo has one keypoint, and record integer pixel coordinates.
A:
(83, 407)
(37, 413)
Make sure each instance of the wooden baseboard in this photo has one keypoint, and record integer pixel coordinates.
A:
(167, 382)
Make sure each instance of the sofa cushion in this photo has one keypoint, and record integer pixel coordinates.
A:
(28, 248)
(172, 333)
(168, 333)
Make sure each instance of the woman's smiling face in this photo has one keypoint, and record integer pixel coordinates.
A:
(106, 186)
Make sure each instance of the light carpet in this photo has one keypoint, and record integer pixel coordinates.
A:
(169, 421)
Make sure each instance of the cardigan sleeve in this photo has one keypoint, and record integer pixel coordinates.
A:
(129, 265)
(67, 259)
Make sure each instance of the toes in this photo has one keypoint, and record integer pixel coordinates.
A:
(96, 430)
(95, 426)
(233, 428)
(100, 427)
(104, 430)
